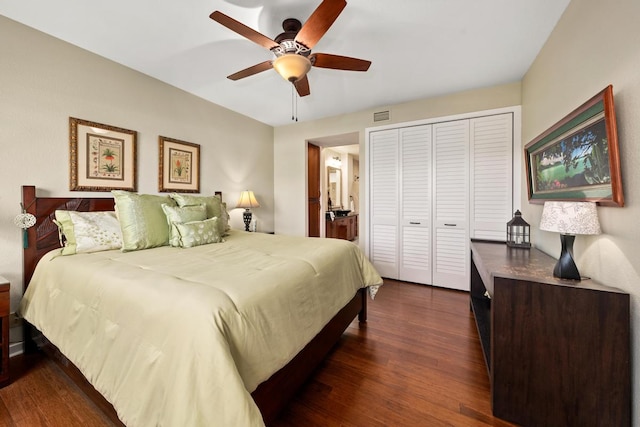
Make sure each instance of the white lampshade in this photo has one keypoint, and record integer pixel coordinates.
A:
(292, 67)
(570, 218)
(247, 200)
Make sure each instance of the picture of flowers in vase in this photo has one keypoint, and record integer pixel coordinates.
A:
(105, 157)
(180, 166)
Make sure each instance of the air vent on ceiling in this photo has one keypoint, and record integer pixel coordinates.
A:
(381, 116)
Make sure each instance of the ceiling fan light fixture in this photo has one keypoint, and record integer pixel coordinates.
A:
(292, 67)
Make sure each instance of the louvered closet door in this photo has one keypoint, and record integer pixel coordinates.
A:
(491, 176)
(451, 204)
(415, 204)
(383, 235)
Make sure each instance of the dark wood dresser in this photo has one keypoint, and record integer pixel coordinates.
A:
(4, 330)
(557, 351)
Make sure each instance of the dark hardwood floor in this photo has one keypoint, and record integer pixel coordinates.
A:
(416, 362)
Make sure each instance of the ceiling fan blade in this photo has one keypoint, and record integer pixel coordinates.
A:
(302, 86)
(243, 30)
(319, 22)
(254, 69)
(337, 62)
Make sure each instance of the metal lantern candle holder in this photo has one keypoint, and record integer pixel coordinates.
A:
(518, 232)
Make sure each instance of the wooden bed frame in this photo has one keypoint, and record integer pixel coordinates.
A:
(271, 396)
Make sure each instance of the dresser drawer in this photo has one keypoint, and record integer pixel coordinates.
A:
(5, 298)
(4, 303)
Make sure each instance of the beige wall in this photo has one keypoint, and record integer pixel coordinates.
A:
(595, 44)
(43, 81)
(290, 146)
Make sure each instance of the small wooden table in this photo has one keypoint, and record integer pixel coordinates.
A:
(342, 227)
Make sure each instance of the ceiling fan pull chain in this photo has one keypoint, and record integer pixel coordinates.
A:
(292, 110)
(294, 104)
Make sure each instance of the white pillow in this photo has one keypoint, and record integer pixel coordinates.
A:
(86, 232)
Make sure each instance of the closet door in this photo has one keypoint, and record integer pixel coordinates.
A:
(491, 176)
(415, 204)
(451, 204)
(383, 196)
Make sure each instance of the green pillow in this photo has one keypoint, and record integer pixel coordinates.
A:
(225, 218)
(86, 232)
(198, 233)
(179, 215)
(142, 220)
(213, 203)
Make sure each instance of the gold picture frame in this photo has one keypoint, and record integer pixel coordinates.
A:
(101, 157)
(179, 169)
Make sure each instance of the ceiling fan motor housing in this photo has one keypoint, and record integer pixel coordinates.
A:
(291, 27)
(291, 46)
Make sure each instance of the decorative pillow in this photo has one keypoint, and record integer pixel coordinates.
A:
(198, 233)
(214, 207)
(225, 217)
(180, 215)
(142, 220)
(88, 231)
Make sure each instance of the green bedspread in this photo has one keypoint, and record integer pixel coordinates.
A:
(181, 337)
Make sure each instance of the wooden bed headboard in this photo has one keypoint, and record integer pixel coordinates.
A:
(43, 236)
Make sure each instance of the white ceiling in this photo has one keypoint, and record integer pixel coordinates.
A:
(418, 48)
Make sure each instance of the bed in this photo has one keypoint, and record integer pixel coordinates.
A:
(140, 326)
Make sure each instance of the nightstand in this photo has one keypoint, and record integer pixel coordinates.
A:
(5, 301)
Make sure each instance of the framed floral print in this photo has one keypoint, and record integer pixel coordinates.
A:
(179, 166)
(102, 157)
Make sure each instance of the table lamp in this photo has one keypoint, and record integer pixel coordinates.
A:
(247, 201)
(569, 219)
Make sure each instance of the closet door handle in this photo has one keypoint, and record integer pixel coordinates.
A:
(414, 223)
(450, 225)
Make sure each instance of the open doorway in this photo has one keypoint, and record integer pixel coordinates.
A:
(337, 178)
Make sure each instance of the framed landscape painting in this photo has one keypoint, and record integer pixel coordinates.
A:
(578, 158)
(102, 157)
(179, 166)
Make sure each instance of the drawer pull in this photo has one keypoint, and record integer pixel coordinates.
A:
(450, 225)
(414, 223)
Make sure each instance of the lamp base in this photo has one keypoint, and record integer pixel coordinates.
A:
(566, 267)
(246, 217)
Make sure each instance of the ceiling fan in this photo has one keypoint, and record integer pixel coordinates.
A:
(292, 48)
